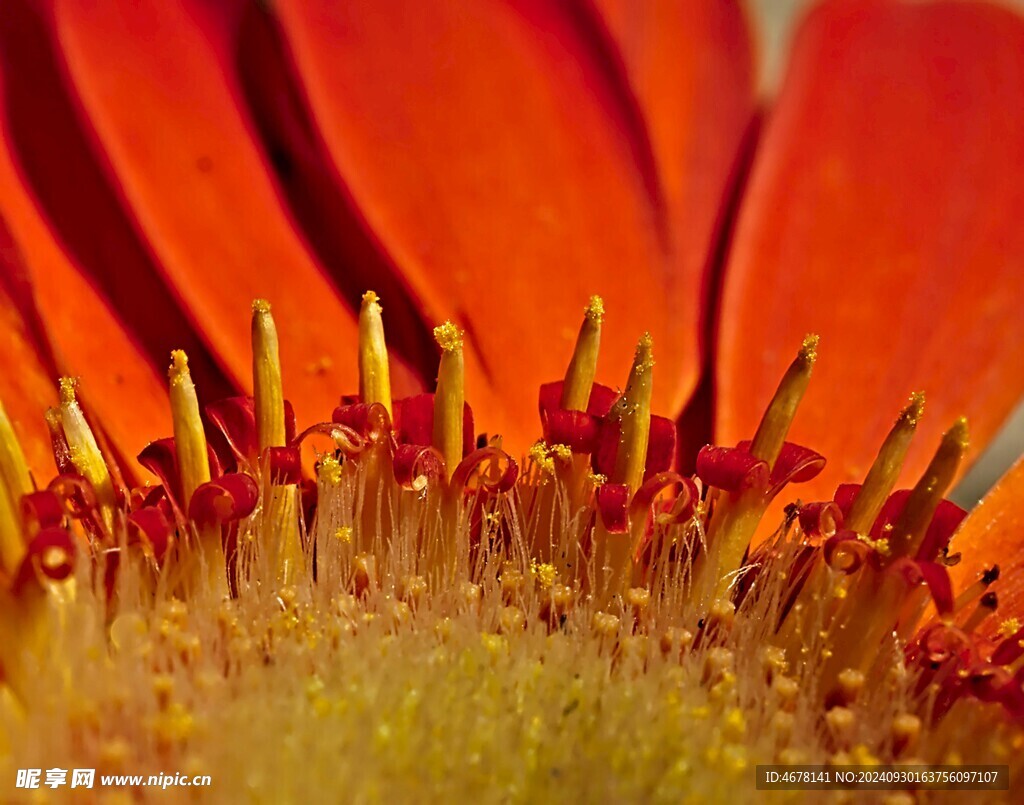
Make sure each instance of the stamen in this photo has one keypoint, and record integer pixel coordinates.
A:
(266, 370)
(737, 516)
(194, 460)
(189, 437)
(613, 553)
(85, 452)
(885, 470)
(281, 511)
(633, 411)
(449, 400)
(925, 497)
(771, 433)
(579, 378)
(374, 374)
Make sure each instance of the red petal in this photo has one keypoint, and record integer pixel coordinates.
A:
(160, 457)
(845, 553)
(613, 505)
(680, 509)
(577, 430)
(945, 521)
(844, 497)
(602, 398)
(416, 466)
(931, 573)
(796, 464)
(41, 510)
(152, 527)
(730, 468)
(494, 151)
(235, 419)
(230, 497)
(661, 447)
(285, 465)
(414, 422)
(488, 469)
(182, 151)
(880, 213)
(42, 547)
(821, 519)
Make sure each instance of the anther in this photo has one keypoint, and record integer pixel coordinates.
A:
(189, 437)
(374, 372)
(771, 433)
(85, 451)
(450, 398)
(926, 495)
(885, 470)
(266, 369)
(579, 378)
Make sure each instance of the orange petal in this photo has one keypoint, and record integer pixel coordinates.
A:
(182, 151)
(65, 327)
(689, 64)
(79, 334)
(993, 534)
(26, 384)
(883, 214)
(55, 163)
(496, 153)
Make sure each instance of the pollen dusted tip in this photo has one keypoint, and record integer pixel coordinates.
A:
(371, 298)
(594, 310)
(914, 409)
(179, 365)
(809, 348)
(448, 337)
(644, 358)
(959, 433)
(260, 306)
(68, 386)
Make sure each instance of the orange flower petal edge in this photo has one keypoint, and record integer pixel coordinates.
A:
(198, 184)
(55, 163)
(527, 131)
(879, 214)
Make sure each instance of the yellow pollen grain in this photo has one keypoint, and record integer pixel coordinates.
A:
(561, 451)
(344, 534)
(594, 311)
(540, 456)
(809, 347)
(881, 545)
(644, 360)
(1008, 627)
(544, 572)
(959, 433)
(330, 470)
(914, 410)
(448, 336)
(67, 389)
(370, 298)
(177, 372)
(260, 306)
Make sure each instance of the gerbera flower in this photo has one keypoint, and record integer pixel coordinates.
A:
(409, 608)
